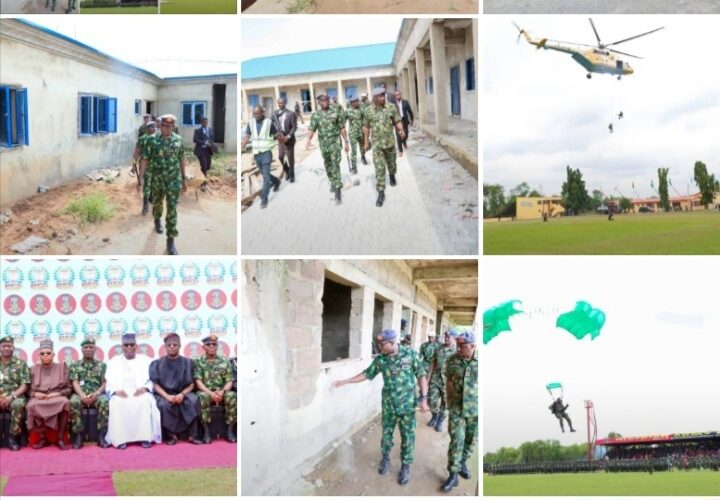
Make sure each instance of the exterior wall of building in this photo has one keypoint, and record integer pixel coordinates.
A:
(176, 91)
(533, 207)
(289, 410)
(54, 78)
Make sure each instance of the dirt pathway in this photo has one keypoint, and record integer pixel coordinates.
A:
(601, 7)
(351, 469)
(207, 225)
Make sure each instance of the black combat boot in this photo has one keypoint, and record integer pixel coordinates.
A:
(231, 435)
(171, 246)
(13, 443)
(433, 420)
(464, 471)
(392, 180)
(451, 482)
(404, 475)
(158, 226)
(384, 464)
(292, 174)
(277, 184)
(207, 439)
(363, 160)
(353, 170)
(101, 438)
(380, 199)
(338, 196)
(77, 441)
(439, 422)
(145, 205)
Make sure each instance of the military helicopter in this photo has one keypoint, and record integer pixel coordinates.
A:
(595, 59)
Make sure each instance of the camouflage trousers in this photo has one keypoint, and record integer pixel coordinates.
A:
(159, 193)
(436, 395)
(332, 156)
(463, 438)
(17, 411)
(101, 404)
(406, 423)
(384, 160)
(147, 181)
(356, 143)
(230, 402)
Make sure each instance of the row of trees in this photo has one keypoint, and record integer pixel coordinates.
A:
(498, 203)
(537, 451)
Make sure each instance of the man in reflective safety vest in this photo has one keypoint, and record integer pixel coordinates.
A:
(263, 133)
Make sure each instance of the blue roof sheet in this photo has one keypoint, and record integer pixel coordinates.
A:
(316, 61)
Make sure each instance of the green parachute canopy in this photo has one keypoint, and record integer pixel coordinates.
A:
(496, 319)
(581, 321)
(553, 385)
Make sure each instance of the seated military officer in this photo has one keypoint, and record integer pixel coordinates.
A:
(214, 379)
(14, 383)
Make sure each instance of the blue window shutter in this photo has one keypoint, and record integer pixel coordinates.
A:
(22, 118)
(8, 120)
(470, 74)
(112, 114)
(350, 91)
(86, 114)
(187, 110)
(254, 100)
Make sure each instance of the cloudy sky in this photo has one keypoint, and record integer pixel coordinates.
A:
(652, 370)
(542, 114)
(268, 37)
(183, 46)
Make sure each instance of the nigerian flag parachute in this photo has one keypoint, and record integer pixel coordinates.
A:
(495, 319)
(581, 321)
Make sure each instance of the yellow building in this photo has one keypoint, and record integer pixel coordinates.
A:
(533, 207)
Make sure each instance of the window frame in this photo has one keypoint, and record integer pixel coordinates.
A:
(101, 111)
(193, 113)
(17, 120)
(470, 74)
(138, 106)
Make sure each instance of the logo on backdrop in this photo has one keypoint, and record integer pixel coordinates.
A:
(192, 325)
(40, 330)
(89, 276)
(166, 324)
(142, 326)
(216, 298)
(116, 327)
(165, 274)
(215, 273)
(64, 277)
(166, 300)
(217, 324)
(67, 330)
(92, 329)
(12, 278)
(14, 305)
(140, 275)
(190, 274)
(67, 355)
(90, 303)
(146, 350)
(40, 304)
(115, 276)
(116, 302)
(65, 303)
(141, 301)
(191, 300)
(16, 329)
(234, 297)
(233, 271)
(39, 277)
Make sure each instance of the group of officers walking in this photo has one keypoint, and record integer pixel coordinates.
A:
(137, 399)
(355, 130)
(450, 371)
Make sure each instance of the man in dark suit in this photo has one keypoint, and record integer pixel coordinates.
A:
(286, 122)
(407, 119)
(203, 138)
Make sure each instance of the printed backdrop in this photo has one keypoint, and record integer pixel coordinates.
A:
(68, 300)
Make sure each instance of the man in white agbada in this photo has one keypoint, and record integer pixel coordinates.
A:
(133, 412)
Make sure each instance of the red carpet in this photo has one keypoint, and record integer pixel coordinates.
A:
(91, 459)
(95, 483)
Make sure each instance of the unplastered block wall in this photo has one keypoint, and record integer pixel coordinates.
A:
(456, 55)
(57, 152)
(290, 414)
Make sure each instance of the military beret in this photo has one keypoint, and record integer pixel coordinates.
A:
(171, 336)
(168, 118)
(354, 98)
(387, 335)
(378, 91)
(467, 337)
(453, 332)
(150, 124)
(321, 96)
(87, 342)
(128, 338)
(209, 338)
(46, 344)
(7, 338)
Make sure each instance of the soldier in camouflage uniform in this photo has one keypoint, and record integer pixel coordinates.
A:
(14, 382)
(380, 119)
(330, 124)
(214, 378)
(400, 366)
(427, 351)
(355, 120)
(147, 178)
(462, 399)
(164, 155)
(438, 397)
(88, 380)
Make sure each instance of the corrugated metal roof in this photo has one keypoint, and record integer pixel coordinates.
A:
(316, 61)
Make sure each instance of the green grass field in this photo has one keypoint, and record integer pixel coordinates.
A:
(118, 10)
(3, 482)
(198, 7)
(683, 233)
(678, 483)
(195, 482)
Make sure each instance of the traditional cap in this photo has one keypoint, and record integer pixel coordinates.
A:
(46, 344)
(87, 342)
(466, 338)
(378, 91)
(128, 338)
(321, 96)
(8, 339)
(387, 335)
(171, 336)
(209, 338)
(168, 118)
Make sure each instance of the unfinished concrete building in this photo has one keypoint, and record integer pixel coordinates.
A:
(306, 323)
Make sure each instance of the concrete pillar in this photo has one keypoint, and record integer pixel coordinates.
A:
(412, 96)
(422, 93)
(405, 83)
(440, 76)
(438, 323)
(341, 93)
(277, 93)
(313, 104)
(244, 106)
(361, 329)
(369, 88)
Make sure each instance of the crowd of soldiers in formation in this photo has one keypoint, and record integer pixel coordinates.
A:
(137, 399)
(441, 377)
(648, 465)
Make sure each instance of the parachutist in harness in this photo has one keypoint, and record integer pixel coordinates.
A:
(558, 409)
(620, 115)
(610, 128)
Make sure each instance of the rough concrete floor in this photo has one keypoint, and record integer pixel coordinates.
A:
(351, 469)
(33, 7)
(601, 6)
(363, 7)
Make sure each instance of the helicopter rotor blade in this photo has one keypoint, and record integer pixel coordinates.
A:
(634, 37)
(596, 33)
(624, 53)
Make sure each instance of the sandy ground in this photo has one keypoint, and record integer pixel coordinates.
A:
(207, 226)
(351, 468)
(369, 7)
(601, 6)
